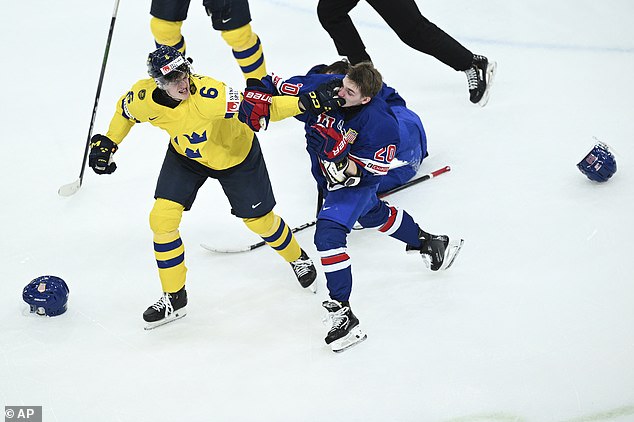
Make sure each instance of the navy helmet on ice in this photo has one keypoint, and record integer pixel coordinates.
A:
(165, 64)
(46, 295)
(599, 164)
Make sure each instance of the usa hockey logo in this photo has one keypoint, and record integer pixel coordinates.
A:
(591, 158)
(350, 136)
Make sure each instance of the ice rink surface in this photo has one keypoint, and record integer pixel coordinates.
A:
(533, 323)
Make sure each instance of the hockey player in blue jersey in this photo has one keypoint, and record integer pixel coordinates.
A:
(413, 141)
(352, 137)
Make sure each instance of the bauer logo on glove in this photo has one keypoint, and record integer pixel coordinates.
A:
(255, 107)
(327, 142)
(599, 164)
(259, 96)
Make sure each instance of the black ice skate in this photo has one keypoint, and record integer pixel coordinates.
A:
(437, 251)
(170, 307)
(305, 272)
(344, 326)
(480, 78)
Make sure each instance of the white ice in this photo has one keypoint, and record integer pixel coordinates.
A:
(534, 322)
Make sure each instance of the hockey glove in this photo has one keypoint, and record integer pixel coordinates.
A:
(101, 151)
(338, 174)
(331, 147)
(328, 143)
(323, 99)
(255, 105)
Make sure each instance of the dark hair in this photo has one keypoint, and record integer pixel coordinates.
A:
(340, 67)
(366, 77)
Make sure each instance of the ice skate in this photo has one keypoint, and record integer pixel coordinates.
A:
(305, 272)
(169, 308)
(438, 251)
(344, 330)
(480, 78)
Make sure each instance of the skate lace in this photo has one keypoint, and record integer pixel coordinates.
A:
(472, 78)
(302, 266)
(164, 302)
(427, 259)
(338, 319)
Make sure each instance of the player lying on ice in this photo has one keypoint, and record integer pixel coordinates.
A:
(352, 136)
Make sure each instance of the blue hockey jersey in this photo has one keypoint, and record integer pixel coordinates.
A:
(378, 145)
(372, 129)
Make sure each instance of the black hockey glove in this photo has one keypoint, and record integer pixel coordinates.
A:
(323, 99)
(101, 151)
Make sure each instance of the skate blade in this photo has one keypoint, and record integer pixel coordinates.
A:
(312, 287)
(451, 252)
(175, 316)
(354, 337)
(490, 75)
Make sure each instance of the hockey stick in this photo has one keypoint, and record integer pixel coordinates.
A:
(71, 188)
(312, 223)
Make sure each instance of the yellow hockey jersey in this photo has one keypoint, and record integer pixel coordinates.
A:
(204, 127)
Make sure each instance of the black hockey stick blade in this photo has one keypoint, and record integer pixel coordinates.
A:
(313, 222)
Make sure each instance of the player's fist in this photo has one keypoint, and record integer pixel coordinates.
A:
(255, 107)
(323, 99)
(101, 151)
(328, 143)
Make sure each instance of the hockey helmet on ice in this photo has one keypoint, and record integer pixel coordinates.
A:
(166, 64)
(599, 164)
(46, 295)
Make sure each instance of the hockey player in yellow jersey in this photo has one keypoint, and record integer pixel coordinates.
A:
(206, 141)
(231, 17)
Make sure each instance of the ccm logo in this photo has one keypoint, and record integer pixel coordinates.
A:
(259, 96)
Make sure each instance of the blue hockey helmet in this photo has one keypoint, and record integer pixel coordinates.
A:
(599, 164)
(46, 295)
(166, 63)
